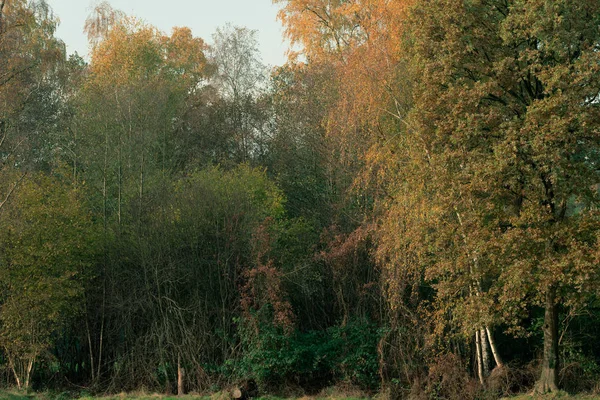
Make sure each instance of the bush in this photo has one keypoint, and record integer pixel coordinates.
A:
(312, 360)
(449, 379)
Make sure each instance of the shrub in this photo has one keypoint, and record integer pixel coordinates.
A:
(312, 360)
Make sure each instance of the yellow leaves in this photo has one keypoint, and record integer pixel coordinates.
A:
(184, 52)
(325, 27)
(131, 50)
(126, 52)
(360, 41)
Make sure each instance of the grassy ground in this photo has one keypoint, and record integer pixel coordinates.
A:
(557, 396)
(15, 395)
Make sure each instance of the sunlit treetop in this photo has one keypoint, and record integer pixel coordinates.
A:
(124, 47)
(335, 26)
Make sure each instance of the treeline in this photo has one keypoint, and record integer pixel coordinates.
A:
(409, 206)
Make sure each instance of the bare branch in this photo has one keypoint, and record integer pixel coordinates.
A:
(12, 190)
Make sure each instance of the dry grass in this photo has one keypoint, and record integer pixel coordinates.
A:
(555, 396)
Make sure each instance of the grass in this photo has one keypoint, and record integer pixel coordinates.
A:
(16, 395)
(556, 396)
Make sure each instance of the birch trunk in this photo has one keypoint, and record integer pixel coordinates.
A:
(495, 353)
(478, 351)
(485, 354)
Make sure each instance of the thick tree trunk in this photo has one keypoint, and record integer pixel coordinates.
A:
(550, 363)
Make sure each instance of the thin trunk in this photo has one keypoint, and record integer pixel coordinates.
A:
(119, 194)
(28, 372)
(11, 363)
(10, 192)
(479, 363)
(102, 329)
(2, 3)
(180, 375)
(89, 337)
(485, 354)
(495, 353)
(141, 189)
(74, 157)
(550, 362)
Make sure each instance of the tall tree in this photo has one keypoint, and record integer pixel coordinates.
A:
(502, 132)
(30, 56)
(45, 258)
(240, 79)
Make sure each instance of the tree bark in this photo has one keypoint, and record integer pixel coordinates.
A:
(495, 353)
(478, 351)
(11, 363)
(180, 374)
(485, 354)
(550, 362)
(30, 363)
(2, 3)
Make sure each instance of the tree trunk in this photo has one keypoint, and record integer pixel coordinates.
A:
(2, 3)
(30, 363)
(90, 347)
(13, 367)
(495, 353)
(485, 353)
(549, 376)
(180, 374)
(478, 351)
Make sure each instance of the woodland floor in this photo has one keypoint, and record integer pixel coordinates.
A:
(558, 396)
(15, 395)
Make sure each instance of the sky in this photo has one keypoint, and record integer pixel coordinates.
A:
(202, 16)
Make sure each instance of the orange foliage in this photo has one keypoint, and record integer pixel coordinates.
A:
(264, 286)
(131, 49)
(360, 40)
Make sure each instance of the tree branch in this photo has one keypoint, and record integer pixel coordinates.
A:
(12, 190)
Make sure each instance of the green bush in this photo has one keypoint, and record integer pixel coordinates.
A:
(312, 359)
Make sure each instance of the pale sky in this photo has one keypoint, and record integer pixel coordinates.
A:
(202, 16)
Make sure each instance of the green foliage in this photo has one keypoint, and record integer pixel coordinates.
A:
(46, 250)
(312, 359)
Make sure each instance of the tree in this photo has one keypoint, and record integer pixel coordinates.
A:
(358, 44)
(144, 82)
(127, 144)
(240, 79)
(45, 254)
(30, 56)
(173, 296)
(504, 122)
